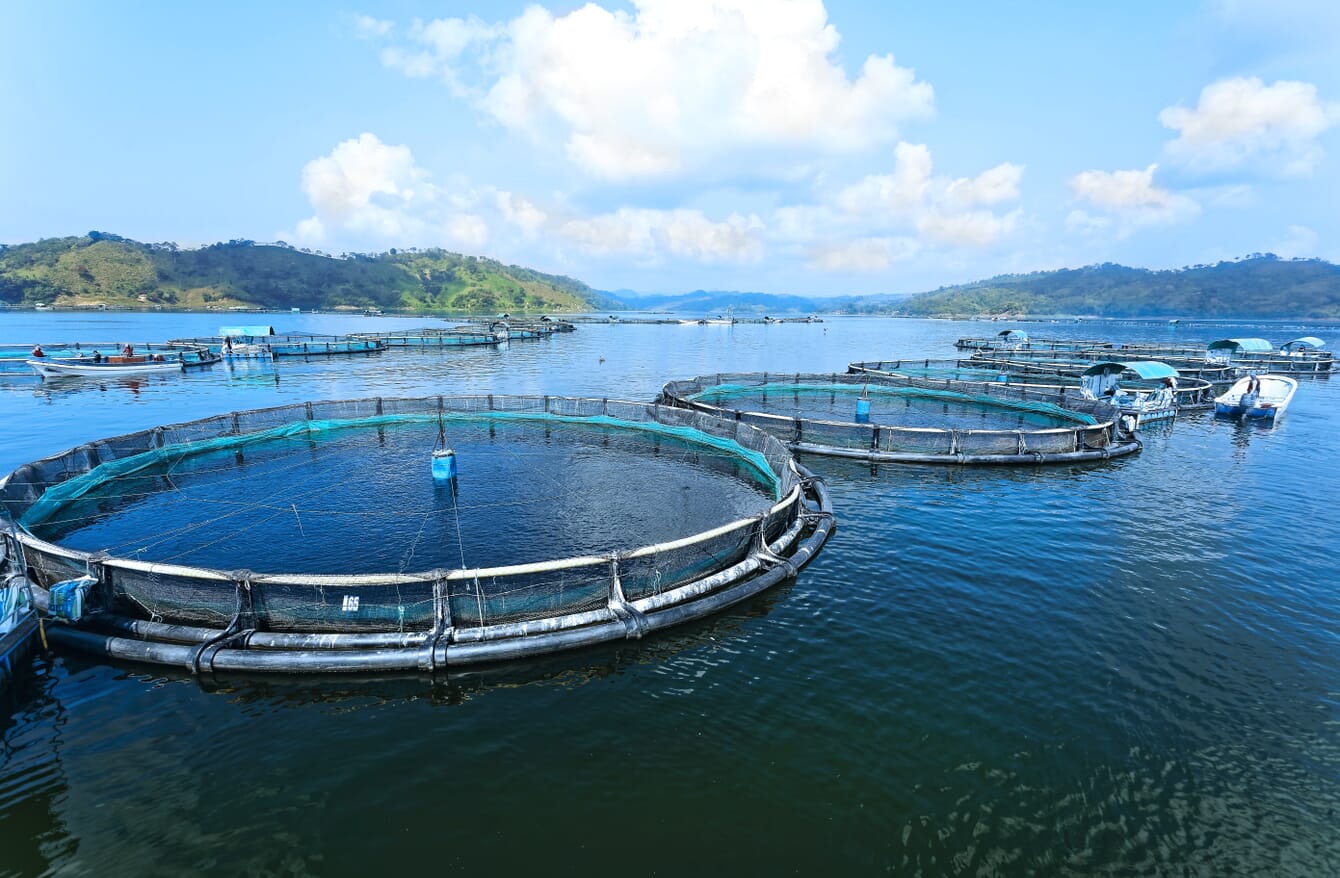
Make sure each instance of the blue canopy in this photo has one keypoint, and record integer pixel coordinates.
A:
(1013, 334)
(1309, 342)
(1143, 368)
(246, 331)
(1247, 345)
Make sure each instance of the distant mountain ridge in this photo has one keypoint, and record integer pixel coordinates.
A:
(100, 268)
(1258, 286)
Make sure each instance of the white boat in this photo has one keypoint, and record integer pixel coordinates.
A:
(1149, 394)
(49, 367)
(1269, 401)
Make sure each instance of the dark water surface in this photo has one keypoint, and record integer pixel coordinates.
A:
(362, 499)
(1128, 668)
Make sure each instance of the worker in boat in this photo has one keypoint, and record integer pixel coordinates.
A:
(227, 345)
(1253, 391)
(128, 351)
(97, 356)
(38, 352)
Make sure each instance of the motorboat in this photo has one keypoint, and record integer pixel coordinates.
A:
(1257, 396)
(49, 367)
(1148, 393)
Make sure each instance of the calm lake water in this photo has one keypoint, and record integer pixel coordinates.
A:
(1124, 668)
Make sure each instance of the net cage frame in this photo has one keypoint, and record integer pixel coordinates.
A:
(1002, 341)
(1191, 393)
(1109, 436)
(1075, 362)
(206, 619)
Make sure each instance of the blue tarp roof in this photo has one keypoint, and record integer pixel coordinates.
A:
(248, 331)
(1251, 345)
(1013, 334)
(1143, 368)
(1307, 341)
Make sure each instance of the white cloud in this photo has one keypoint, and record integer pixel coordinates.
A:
(976, 228)
(902, 192)
(1242, 118)
(946, 211)
(468, 230)
(520, 212)
(369, 191)
(370, 28)
(1131, 197)
(864, 254)
(994, 186)
(673, 85)
(1301, 243)
(1083, 222)
(650, 234)
(364, 185)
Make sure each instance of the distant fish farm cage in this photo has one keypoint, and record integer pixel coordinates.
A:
(1301, 356)
(506, 329)
(1189, 394)
(406, 534)
(1073, 364)
(901, 419)
(432, 337)
(1018, 340)
(274, 346)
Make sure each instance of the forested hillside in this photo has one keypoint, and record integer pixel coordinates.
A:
(107, 269)
(1261, 285)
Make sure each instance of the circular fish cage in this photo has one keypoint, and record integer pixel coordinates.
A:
(406, 534)
(901, 419)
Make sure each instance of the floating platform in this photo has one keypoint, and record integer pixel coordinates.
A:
(221, 617)
(431, 338)
(275, 346)
(901, 419)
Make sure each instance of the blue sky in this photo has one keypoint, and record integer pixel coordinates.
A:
(787, 146)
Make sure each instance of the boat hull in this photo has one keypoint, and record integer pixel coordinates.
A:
(1274, 396)
(55, 369)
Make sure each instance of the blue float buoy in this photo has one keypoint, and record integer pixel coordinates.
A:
(444, 465)
(862, 410)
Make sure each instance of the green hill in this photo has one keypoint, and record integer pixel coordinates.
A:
(1261, 285)
(107, 269)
